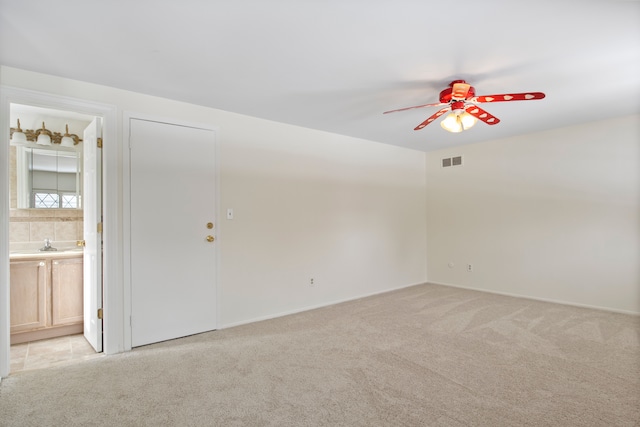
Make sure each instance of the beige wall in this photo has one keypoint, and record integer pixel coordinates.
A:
(553, 215)
(347, 212)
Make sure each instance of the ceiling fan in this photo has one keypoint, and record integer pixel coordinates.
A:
(460, 98)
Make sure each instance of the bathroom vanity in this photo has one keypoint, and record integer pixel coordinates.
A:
(46, 294)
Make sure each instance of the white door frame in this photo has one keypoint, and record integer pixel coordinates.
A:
(127, 116)
(112, 207)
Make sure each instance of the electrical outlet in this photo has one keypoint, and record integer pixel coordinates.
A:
(311, 282)
(469, 267)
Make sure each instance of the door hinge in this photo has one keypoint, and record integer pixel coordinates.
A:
(99, 227)
(99, 142)
(100, 314)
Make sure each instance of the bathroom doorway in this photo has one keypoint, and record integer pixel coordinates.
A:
(49, 201)
(108, 292)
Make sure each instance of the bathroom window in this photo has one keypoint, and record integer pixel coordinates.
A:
(69, 201)
(48, 200)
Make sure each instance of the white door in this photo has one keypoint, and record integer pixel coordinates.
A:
(92, 208)
(173, 262)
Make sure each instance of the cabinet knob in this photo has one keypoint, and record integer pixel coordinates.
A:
(41, 264)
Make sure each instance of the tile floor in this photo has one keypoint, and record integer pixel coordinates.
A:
(53, 352)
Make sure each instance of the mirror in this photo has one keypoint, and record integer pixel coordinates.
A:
(46, 174)
(48, 178)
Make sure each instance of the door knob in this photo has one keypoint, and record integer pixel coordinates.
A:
(210, 238)
(209, 225)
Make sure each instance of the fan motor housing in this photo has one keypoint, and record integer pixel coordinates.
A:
(446, 95)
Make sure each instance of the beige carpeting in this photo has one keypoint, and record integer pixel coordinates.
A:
(422, 356)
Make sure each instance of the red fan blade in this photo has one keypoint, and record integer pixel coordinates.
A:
(482, 115)
(438, 104)
(509, 97)
(432, 118)
(460, 90)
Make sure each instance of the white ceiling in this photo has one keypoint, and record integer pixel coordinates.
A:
(336, 65)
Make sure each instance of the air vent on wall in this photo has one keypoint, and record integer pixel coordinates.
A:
(452, 161)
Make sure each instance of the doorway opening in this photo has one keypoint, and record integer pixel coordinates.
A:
(49, 199)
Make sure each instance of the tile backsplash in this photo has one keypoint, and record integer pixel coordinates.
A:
(35, 225)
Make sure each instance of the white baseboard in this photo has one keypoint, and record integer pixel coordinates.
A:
(573, 304)
(313, 307)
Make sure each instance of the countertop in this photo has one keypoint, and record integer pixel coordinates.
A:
(30, 255)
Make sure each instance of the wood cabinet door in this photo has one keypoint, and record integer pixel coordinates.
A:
(28, 295)
(66, 291)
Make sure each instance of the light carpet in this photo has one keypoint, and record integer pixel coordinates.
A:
(426, 355)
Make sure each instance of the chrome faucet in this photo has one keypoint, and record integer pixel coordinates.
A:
(47, 246)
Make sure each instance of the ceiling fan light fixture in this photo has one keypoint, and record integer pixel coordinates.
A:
(457, 121)
(452, 123)
(467, 120)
